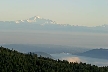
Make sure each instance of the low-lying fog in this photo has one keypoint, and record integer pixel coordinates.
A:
(74, 58)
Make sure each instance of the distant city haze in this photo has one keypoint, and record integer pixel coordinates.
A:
(74, 12)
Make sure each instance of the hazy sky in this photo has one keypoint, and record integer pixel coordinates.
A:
(75, 12)
(86, 40)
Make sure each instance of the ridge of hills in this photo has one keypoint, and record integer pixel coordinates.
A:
(96, 53)
(43, 54)
(47, 48)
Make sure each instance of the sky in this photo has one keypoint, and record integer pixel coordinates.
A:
(74, 12)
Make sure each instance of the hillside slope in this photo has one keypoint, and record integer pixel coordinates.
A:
(13, 61)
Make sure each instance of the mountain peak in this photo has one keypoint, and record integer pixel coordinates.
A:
(38, 16)
(34, 18)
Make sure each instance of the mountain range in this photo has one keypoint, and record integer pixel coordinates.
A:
(47, 48)
(96, 53)
(37, 23)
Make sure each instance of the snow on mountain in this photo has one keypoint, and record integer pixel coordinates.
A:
(37, 19)
(34, 18)
(19, 21)
(38, 23)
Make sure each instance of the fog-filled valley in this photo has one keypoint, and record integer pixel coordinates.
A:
(69, 53)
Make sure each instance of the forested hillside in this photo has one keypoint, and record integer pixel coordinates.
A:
(14, 61)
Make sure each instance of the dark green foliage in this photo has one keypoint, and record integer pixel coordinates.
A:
(13, 61)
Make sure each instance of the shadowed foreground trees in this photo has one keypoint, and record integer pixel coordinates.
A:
(14, 61)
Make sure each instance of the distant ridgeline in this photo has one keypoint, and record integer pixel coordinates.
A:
(96, 53)
(41, 24)
(14, 61)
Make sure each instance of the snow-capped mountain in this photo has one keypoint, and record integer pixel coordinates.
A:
(36, 19)
(38, 23)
